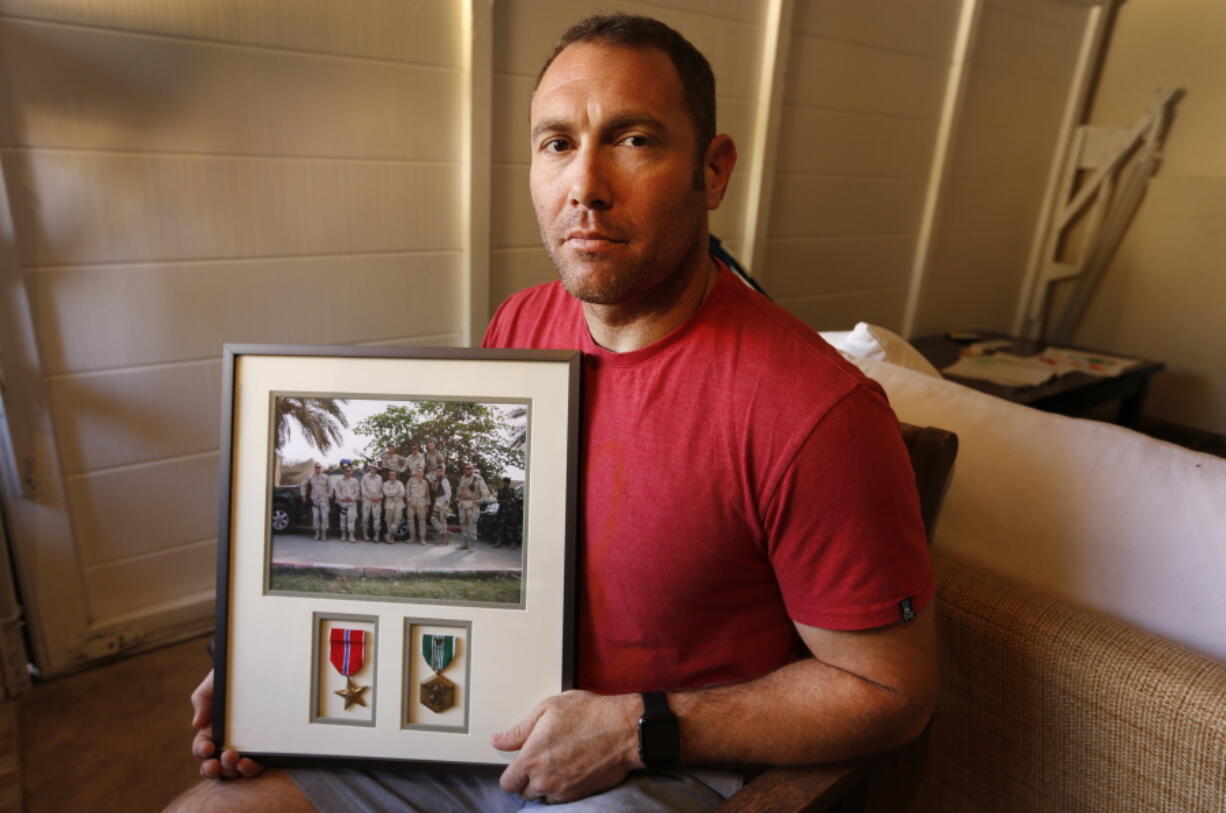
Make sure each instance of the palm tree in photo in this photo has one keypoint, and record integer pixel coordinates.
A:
(319, 419)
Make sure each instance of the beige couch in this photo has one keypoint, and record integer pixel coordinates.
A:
(1082, 582)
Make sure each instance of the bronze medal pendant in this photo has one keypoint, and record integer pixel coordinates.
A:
(353, 693)
(438, 693)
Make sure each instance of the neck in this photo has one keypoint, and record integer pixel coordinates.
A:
(634, 325)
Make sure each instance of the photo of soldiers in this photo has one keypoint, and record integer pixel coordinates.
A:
(393, 502)
(442, 505)
(416, 460)
(372, 502)
(317, 491)
(434, 459)
(418, 493)
(471, 491)
(346, 491)
(357, 477)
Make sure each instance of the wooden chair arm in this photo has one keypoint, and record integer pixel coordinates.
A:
(798, 788)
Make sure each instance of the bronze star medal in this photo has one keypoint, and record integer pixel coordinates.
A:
(352, 693)
(438, 693)
(348, 656)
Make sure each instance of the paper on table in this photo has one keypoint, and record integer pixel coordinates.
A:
(1005, 369)
(1081, 361)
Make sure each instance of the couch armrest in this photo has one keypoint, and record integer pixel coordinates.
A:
(1046, 705)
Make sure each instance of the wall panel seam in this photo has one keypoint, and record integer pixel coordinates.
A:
(862, 113)
(27, 149)
(885, 49)
(848, 176)
(423, 336)
(146, 555)
(137, 465)
(231, 45)
(135, 368)
(1034, 18)
(843, 294)
(234, 259)
(981, 68)
(689, 11)
(826, 238)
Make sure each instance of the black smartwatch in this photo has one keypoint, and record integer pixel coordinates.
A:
(659, 734)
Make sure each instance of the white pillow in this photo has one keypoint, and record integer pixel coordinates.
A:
(866, 341)
(1094, 512)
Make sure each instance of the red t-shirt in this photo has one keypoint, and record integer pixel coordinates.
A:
(738, 475)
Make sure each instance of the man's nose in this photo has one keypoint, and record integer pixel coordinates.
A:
(590, 186)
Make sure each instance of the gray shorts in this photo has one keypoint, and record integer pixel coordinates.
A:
(466, 791)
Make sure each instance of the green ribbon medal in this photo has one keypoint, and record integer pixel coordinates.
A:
(438, 693)
(438, 650)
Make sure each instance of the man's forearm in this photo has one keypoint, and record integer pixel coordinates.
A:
(802, 713)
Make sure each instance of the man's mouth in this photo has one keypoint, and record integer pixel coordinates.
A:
(592, 241)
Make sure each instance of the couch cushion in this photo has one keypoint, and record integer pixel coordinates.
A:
(1098, 514)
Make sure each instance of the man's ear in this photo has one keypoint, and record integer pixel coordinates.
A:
(717, 166)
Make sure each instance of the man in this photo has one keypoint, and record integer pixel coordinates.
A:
(346, 491)
(442, 504)
(416, 460)
(775, 587)
(510, 515)
(419, 507)
(394, 460)
(393, 502)
(316, 490)
(470, 492)
(434, 458)
(372, 501)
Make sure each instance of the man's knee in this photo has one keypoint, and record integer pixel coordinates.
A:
(274, 791)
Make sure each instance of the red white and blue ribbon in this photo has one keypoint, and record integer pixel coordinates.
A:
(348, 652)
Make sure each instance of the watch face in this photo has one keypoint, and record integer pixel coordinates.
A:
(659, 740)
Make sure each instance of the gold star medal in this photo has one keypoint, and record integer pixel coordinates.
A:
(438, 693)
(348, 656)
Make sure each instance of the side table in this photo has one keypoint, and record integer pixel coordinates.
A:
(1068, 394)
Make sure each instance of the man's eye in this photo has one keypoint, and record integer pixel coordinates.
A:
(555, 145)
(636, 141)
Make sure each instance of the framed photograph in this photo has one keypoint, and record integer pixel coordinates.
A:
(396, 549)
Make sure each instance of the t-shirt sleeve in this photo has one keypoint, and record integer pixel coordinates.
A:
(844, 532)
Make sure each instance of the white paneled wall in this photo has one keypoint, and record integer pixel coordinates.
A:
(186, 174)
(864, 88)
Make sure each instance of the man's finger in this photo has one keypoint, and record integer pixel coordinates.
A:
(202, 744)
(250, 768)
(229, 763)
(514, 738)
(210, 769)
(514, 779)
(202, 702)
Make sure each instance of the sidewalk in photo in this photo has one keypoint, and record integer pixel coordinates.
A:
(402, 557)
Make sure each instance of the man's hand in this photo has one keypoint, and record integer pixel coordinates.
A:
(571, 746)
(229, 764)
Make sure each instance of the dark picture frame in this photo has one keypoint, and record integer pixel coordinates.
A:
(272, 656)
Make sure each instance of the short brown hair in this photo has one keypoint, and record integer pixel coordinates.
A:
(633, 31)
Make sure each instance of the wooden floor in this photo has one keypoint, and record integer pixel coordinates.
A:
(117, 737)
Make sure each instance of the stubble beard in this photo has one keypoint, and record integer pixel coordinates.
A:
(658, 270)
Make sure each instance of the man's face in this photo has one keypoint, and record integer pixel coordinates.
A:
(614, 165)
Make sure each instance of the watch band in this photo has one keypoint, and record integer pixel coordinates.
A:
(655, 704)
(659, 732)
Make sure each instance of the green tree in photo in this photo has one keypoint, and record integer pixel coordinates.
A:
(489, 436)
